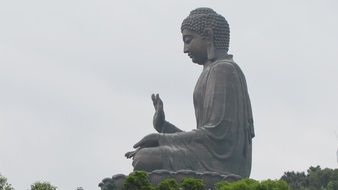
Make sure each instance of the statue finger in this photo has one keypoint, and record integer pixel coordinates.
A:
(157, 97)
(129, 154)
(159, 101)
(153, 98)
(159, 104)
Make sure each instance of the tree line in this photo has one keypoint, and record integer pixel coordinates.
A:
(315, 178)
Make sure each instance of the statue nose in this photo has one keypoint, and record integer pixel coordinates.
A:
(185, 49)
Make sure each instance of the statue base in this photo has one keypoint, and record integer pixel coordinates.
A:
(156, 176)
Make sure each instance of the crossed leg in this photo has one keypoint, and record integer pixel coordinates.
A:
(148, 159)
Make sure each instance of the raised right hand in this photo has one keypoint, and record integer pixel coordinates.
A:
(159, 117)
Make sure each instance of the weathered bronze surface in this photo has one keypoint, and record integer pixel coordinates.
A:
(222, 142)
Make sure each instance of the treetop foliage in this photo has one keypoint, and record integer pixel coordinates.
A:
(4, 185)
(250, 184)
(315, 179)
(139, 180)
(42, 186)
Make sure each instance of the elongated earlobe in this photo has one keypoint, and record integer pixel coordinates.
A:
(211, 51)
(210, 48)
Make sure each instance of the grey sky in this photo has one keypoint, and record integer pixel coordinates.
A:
(76, 79)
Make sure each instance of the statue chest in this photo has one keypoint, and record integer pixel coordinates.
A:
(199, 96)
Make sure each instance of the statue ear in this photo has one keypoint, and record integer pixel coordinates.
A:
(209, 36)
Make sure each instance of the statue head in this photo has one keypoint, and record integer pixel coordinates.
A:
(212, 32)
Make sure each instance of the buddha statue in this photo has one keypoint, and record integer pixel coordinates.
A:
(222, 140)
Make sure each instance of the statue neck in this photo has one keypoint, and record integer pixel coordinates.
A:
(218, 55)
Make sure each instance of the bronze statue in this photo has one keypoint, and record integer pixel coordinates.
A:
(222, 141)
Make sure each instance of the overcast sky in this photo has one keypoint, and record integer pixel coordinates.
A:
(76, 79)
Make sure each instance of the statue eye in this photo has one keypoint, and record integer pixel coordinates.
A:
(187, 39)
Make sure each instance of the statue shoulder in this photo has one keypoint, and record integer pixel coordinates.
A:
(224, 66)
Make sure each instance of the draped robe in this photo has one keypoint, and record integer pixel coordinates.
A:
(222, 141)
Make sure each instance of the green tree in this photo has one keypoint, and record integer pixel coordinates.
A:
(192, 184)
(250, 184)
(4, 185)
(296, 180)
(334, 175)
(42, 186)
(273, 185)
(244, 184)
(137, 180)
(332, 185)
(168, 184)
(315, 179)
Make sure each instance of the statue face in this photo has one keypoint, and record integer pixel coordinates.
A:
(195, 46)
